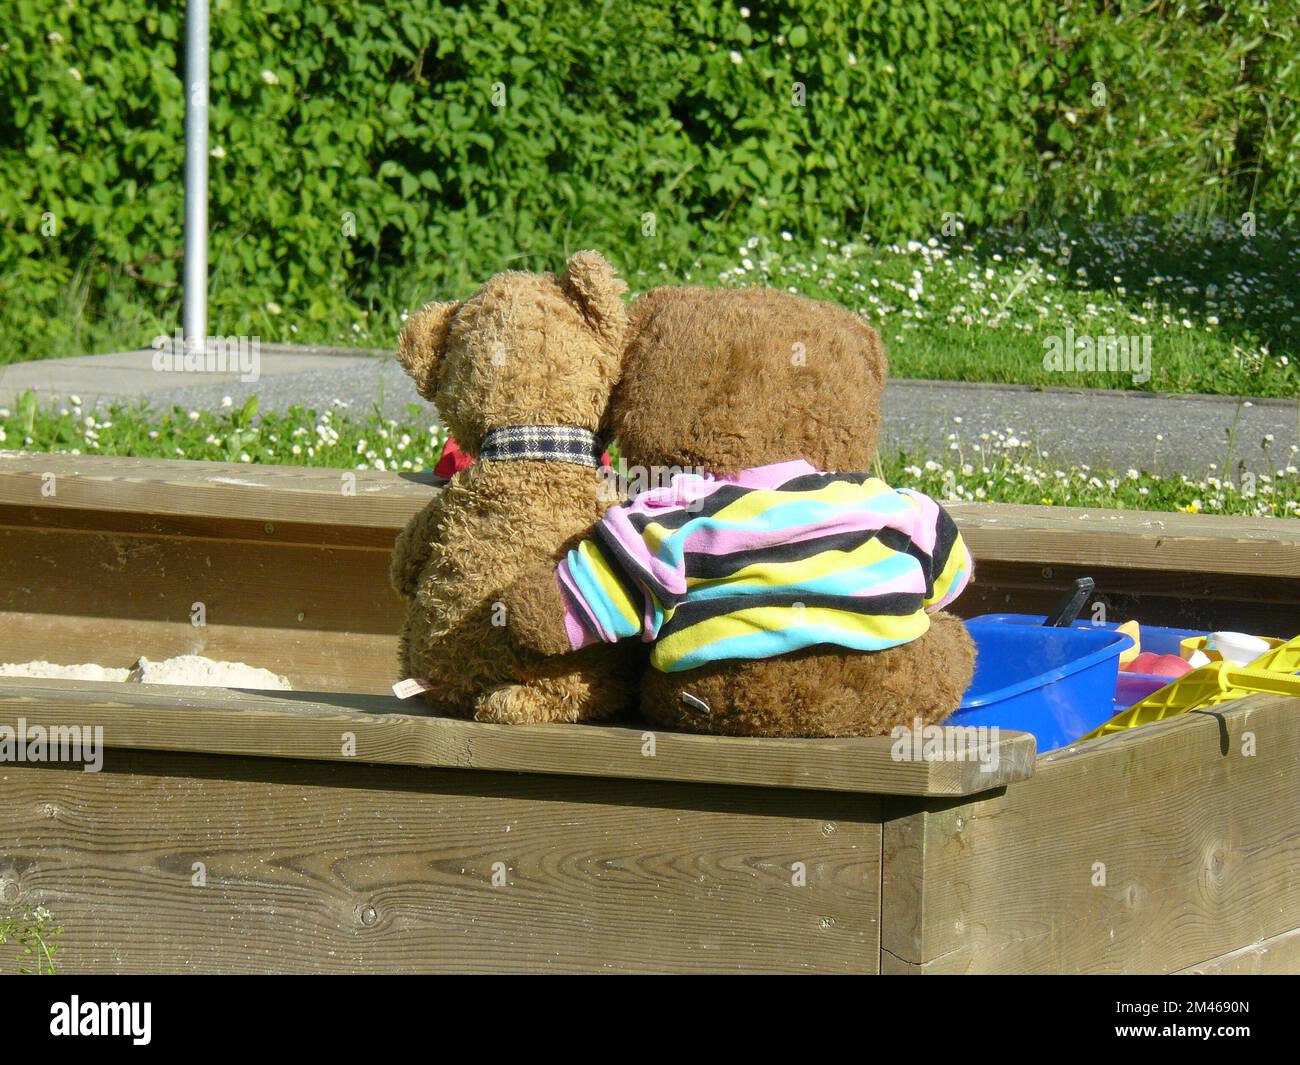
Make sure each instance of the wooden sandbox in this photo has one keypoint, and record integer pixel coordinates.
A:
(335, 828)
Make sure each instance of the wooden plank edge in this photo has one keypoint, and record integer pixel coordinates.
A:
(225, 490)
(1276, 955)
(383, 730)
(1019, 533)
(904, 839)
(1075, 537)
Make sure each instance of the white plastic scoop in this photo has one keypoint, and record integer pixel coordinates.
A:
(1237, 647)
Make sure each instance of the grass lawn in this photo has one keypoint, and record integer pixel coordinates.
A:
(995, 467)
(1221, 312)
(1221, 309)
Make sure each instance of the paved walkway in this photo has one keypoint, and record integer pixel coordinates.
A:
(1098, 427)
(128, 376)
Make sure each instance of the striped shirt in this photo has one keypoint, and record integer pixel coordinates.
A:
(774, 559)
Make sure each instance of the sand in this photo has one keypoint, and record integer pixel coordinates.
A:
(183, 669)
(52, 671)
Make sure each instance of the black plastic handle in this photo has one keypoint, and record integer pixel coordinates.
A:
(1072, 606)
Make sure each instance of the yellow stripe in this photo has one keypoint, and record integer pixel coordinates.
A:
(753, 504)
(956, 562)
(780, 574)
(654, 536)
(774, 618)
(614, 591)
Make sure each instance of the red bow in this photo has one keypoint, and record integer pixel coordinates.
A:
(453, 460)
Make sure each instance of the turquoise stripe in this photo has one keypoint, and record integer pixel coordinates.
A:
(607, 615)
(770, 643)
(956, 582)
(781, 516)
(843, 583)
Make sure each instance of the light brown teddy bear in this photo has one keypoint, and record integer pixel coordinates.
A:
(787, 591)
(521, 374)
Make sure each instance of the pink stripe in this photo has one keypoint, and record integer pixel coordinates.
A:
(773, 475)
(580, 625)
(649, 632)
(912, 581)
(659, 574)
(683, 488)
(715, 541)
(578, 636)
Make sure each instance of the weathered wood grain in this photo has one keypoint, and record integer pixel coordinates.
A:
(1276, 955)
(179, 487)
(1200, 844)
(159, 535)
(197, 527)
(124, 577)
(1129, 539)
(344, 868)
(1040, 536)
(377, 729)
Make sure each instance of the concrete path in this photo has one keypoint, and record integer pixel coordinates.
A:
(129, 376)
(1100, 428)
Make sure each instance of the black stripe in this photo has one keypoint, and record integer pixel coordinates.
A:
(623, 565)
(682, 513)
(945, 536)
(810, 482)
(728, 494)
(923, 560)
(708, 566)
(692, 612)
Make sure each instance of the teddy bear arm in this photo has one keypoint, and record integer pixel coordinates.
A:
(411, 552)
(535, 611)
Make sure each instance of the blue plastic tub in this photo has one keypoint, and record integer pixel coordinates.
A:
(1155, 638)
(1057, 683)
(1130, 687)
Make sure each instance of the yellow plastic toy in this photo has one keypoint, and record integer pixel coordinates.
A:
(1198, 643)
(1219, 682)
(1133, 631)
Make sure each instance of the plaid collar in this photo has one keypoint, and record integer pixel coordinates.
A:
(542, 443)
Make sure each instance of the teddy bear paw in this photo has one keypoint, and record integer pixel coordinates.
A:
(518, 704)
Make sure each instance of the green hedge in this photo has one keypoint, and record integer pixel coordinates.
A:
(357, 136)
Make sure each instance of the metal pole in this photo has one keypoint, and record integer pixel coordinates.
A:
(195, 314)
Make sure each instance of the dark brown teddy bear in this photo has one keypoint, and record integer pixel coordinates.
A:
(727, 381)
(521, 374)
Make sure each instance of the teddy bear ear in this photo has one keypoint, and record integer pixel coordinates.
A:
(422, 343)
(591, 282)
(877, 359)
